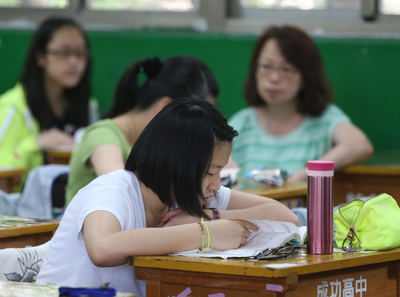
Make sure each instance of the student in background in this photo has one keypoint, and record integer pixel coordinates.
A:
(175, 162)
(291, 118)
(51, 100)
(146, 87)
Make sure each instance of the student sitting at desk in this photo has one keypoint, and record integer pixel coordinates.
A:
(51, 100)
(291, 118)
(106, 145)
(175, 162)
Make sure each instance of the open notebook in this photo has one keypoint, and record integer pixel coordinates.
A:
(271, 234)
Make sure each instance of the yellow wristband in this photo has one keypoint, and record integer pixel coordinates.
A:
(201, 249)
(208, 233)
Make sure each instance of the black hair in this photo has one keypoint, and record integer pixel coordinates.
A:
(300, 50)
(177, 77)
(212, 83)
(175, 150)
(33, 83)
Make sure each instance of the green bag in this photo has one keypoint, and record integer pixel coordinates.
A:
(370, 225)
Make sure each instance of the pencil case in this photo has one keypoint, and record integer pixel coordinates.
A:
(370, 225)
(268, 175)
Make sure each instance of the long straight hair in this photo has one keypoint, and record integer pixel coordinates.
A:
(32, 77)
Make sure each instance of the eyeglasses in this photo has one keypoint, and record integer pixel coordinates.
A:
(283, 72)
(352, 236)
(66, 54)
(280, 252)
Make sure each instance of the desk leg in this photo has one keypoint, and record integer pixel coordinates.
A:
(398, 278)
(153, 288)
(6, 184)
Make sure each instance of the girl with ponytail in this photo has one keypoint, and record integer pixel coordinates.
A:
(146, 87)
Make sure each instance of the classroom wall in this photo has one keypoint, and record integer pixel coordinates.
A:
(365, 73)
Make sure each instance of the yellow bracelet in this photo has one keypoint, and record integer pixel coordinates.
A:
(201, 249)
(208, 233)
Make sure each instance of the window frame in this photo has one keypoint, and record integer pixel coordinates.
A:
(330, 22)
(224, 16)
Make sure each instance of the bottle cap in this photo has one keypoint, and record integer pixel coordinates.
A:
(320, 165)
(320, 168)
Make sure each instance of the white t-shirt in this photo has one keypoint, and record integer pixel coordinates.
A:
(67, 262)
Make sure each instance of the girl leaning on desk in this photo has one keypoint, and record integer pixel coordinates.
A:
(52, 98)
(172, 172)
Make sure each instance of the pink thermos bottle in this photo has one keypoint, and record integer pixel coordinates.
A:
(319, 207)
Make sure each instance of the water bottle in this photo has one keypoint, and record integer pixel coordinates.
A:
(319, 207)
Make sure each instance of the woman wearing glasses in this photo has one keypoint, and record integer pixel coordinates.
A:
(52, 98)
(291, 118)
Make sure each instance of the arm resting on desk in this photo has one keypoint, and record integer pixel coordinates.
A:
(350, 145)
(249, 206)
(242, 205)
(108, 246)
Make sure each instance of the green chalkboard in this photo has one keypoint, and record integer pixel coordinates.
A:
(365, 73)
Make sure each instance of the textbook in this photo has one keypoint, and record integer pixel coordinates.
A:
(271, 234)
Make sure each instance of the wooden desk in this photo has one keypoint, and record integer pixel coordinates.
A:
(291, 194)
(9, 288)
(366, 275)
(16, 232)
(10, 177)
(361, 179)
(58, 157)
(14, 289)
(366, 179)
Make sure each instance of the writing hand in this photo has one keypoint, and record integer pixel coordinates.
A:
(229, 234)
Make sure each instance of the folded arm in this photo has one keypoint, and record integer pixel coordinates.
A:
(107, 245)
(350, 145)
(242, 205)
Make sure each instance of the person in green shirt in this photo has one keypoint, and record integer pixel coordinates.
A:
(52, 97)
(146, 87)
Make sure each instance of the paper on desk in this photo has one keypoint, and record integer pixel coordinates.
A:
(271, 234)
